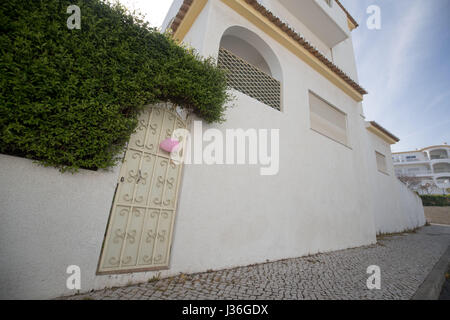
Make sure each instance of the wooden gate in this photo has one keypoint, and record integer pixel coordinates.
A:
(140, 227)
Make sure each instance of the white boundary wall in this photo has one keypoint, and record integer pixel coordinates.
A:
(397, 208)
(49, 221)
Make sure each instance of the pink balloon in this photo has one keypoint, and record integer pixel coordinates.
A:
(169, 144)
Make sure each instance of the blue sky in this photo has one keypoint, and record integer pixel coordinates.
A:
(405, 65)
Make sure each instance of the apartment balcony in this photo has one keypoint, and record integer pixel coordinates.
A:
(439, 157)
(441, 168)
(441, 160)
(323, 17)
(410, 161)
(437, 172)
(413, 160)
(414, 173)
(437, 154)
(440, 172)
(423, 173)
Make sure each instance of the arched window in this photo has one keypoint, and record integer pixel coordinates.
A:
(253, 68)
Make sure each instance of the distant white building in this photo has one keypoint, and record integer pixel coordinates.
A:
(431, 167)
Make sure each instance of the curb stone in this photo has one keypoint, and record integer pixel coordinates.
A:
(431, 287)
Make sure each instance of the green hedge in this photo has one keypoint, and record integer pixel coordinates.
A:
(435, 200)
(70, 98)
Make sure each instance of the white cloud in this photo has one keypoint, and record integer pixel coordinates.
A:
(404, 42)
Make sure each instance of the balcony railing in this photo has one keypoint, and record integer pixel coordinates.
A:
(421, 172)
(443, 170)
(419, 160)
(249, 80)
(408, 160)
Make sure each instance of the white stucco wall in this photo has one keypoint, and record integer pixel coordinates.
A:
(344, 58)
(48, 221)
(341, 54)
(286, 16)
(397, 208)
(322, 199)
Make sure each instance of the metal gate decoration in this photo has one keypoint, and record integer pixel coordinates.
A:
(140, 226)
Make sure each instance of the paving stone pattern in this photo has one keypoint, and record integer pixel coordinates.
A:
(405, 260)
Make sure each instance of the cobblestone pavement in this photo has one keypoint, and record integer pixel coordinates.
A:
(405, 260)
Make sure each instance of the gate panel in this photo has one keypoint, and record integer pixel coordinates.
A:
(148, 237)
(133, 237)
(116, 237)
(140, 229)
(162, 246)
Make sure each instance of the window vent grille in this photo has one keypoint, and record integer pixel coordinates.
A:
(249, 80)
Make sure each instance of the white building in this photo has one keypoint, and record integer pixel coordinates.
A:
(293, 65)
(431, 167)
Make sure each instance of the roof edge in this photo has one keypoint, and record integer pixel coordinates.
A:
(175, 24)
(384, 131)
(423, 149)
(349, 16)
(284, 27)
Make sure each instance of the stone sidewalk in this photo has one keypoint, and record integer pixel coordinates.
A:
(405, 260)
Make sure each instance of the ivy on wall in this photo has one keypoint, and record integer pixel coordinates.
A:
(70, 98)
